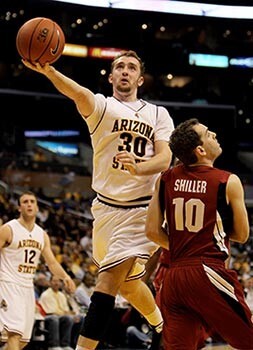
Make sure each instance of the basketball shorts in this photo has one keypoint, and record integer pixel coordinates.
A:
(119, 234)
(17, 310)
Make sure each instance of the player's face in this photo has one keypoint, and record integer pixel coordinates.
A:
(210, 143)
(28, 206)
(126, 74)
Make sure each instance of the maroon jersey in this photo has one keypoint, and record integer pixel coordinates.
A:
(197, 292)
(199, 219)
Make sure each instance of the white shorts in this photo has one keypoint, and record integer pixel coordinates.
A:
(17, 310)
(119, 234)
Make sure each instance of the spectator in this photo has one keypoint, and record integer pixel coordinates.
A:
(84, 289)
(59, 319)
(38, 155)
(41, 283)
(248, 285)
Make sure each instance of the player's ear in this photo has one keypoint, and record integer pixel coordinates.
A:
(200, 150)
(110, 78)
(140, 80)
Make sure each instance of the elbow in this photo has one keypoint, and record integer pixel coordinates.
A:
(166, 162)
(245, 234)
(151, 235)
(241, 237)
(244, 238)
(239, 240)
(158, 237)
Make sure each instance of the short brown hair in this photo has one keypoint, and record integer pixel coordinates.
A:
(183, 141)
(30, 193)
(129, 53)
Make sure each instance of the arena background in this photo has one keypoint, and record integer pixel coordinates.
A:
(220, 97)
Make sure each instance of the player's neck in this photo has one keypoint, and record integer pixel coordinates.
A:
(125, 97)
(203, 163)
(27, 223)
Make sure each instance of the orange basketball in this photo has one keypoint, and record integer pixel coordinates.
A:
(40, 40)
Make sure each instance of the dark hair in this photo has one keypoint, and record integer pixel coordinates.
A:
(129, 53)
(183, 141)
(30, 193)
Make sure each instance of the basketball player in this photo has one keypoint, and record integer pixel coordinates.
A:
(204, 209)
(130, 143)
(22, 242)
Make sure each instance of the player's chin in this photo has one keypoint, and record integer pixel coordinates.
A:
(124, 88)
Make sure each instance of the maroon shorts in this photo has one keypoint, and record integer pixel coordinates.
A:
(201, 294)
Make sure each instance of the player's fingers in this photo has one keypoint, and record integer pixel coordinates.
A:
(29, 64)
(125, 157)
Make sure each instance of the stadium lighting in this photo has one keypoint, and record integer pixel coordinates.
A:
(169, 6)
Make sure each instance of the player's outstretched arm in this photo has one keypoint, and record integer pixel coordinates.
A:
(83, 97)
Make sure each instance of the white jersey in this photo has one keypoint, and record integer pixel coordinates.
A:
(134, 127)
(19, 260)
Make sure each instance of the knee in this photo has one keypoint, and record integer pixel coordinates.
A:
(68, 319)
(52, 319)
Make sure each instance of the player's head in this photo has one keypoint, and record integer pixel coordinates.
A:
(126, 74)
(191, 142)
(28, 205)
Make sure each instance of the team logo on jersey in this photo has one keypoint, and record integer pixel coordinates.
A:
(124, 125)
(3, 305)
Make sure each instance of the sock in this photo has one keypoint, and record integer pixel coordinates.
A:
(155, 319)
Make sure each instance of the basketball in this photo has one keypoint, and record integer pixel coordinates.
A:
(40, 40)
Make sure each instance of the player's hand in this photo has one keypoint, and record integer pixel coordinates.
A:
(69, 284)
(128, 160)
(37, 67)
